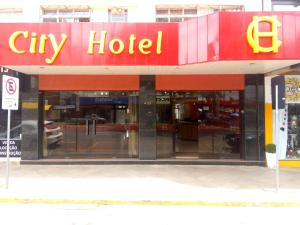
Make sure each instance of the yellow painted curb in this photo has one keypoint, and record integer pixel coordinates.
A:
(149, 203)
(289, 163)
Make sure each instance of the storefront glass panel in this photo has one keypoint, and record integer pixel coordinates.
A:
(165, 127)
(90, 124)
(289, 117)
(200, 124)
(293, 145)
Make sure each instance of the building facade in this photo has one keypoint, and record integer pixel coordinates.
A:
(188, 85)
(120, 11)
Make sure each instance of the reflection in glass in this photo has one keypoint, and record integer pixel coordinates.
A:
(293, 145)
(203, 124)
(90, 124)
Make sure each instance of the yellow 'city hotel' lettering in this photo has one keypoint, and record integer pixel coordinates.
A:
(33, 44)
(116, 46)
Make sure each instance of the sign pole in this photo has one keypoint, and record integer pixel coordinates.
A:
(277, 137)
(7, 149)
(10, 101)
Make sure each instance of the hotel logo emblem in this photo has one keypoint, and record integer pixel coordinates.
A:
(254, 35)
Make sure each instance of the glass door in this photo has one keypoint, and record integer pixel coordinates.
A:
(186, 123)
(219, 124)
(198, 124)
(93, 124)
(60, 124)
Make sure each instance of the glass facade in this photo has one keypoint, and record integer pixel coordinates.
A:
(90, 124)
(201, 124)
(145, 124)
(204, 124)
(293, 145)
(291, 116)
(286, 131)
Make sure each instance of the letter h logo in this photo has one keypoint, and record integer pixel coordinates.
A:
(253, 34)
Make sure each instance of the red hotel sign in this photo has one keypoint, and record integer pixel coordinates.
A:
(116, 46)
(89, 44)
(216, 37)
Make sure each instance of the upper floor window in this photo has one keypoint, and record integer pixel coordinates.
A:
(225, 8)
(117, 15)
(80, 14)
(174, 14)
(178, 13)
(10, 10)
(285, 5)
(11, 14)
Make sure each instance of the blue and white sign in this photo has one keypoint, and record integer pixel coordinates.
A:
(10, 93)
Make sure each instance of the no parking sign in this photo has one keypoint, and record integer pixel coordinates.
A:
(10, 92)
(10, 101)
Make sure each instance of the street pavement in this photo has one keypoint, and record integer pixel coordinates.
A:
(201, 185)
(31, 214)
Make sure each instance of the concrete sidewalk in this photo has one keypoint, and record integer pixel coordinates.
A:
(146, 183)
